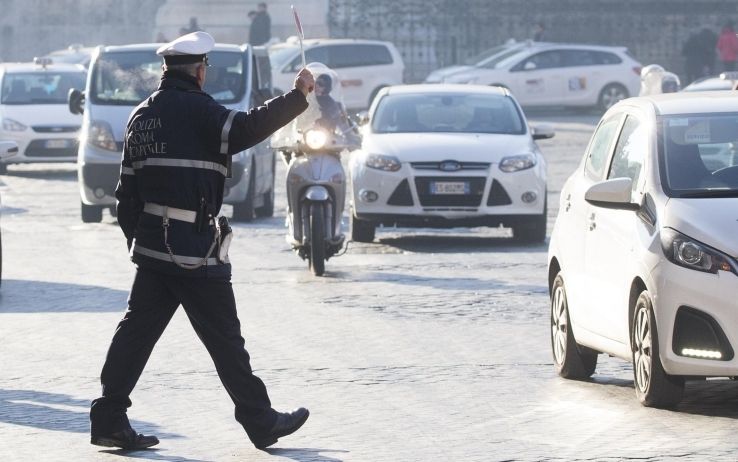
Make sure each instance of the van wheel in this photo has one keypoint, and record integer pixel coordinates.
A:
(653, 386)
(91, 213)
(267, 210)
(571, 360)
(244, 210)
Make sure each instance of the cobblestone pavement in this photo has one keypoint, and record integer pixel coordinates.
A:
(426, 346)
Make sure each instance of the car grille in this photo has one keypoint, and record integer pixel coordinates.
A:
(55, 128)
(473, 199)
(37, 148)
(440, 166)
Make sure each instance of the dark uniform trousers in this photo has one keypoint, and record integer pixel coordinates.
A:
(211, 308)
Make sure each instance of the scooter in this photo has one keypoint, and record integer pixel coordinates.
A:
(316, 181)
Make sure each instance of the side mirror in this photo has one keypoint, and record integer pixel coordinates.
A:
(542, 131)
(612, 194)
(8, 149)
(76, 101)
(529, 66)
(362, 118)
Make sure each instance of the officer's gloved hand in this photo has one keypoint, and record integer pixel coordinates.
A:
(305, 82)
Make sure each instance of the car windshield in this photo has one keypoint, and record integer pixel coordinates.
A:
(486, 54)
(127, 78)
(455, 113)
(500, 59)
(280, 55)
(43, 87)
(699, 155)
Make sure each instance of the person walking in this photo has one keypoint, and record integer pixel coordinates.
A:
(261, 26)
(176, 156)
(694, 55)
(727, 47)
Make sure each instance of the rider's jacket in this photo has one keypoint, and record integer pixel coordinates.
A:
(176, 157)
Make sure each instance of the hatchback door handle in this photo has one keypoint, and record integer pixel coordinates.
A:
(591, 222)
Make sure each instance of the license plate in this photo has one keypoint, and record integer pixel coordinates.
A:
(449, 187)
(57, 144)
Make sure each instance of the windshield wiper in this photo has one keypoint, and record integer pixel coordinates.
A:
(710, 193)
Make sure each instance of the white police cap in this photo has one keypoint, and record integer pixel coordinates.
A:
(189, 48)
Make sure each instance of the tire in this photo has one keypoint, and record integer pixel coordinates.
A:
(362, 230)
(611, 94)
(571, 360)
(267, 210)
(244, 210)
(317, 239)
(535, 230)
(91, 213)
(653, 386)
(3, 168)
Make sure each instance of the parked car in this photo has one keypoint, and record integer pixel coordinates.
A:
(487, 59)
(724, 81)
(561, 75)
(122, 76)
(440, 155)
(365, 66)
(7, 149)
(33, 109)
(642, 258)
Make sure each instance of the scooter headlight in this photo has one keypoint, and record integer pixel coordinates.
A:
(316, 139)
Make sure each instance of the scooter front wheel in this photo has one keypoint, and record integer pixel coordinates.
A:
(317, 239)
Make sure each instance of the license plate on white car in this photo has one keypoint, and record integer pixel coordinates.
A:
(449, 187)
(57, 144)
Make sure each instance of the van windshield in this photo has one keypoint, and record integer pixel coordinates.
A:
(127, 78)
(43, 87)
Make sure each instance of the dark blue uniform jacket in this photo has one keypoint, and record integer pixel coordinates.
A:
(176, 151)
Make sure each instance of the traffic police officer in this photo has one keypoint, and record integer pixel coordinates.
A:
(176, 156)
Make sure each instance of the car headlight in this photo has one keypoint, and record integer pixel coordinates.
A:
(684, 251)
(13, 125)
(100, 135)
(382, 162)
(517, 163)
(316, 139)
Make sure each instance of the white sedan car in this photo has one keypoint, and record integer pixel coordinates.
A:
(34, 111)
(448, 156)
(642, 258)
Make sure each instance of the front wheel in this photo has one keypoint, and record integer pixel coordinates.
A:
(610, 95)
(91, 213)
(361, 230)
(653, 386)
(571, 360)
(535, 230)
(317, 239)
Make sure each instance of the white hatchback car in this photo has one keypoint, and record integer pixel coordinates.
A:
(364, 66)
(34, 113)
(448, 156)
(642, 258)
(561, 75)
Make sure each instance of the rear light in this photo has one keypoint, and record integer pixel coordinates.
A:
(637, 70)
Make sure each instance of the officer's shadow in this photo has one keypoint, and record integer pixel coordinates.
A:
(306, 454)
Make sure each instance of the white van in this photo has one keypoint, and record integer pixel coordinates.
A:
(120, 77)
(364, 66)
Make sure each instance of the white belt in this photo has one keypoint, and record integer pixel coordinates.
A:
(170, 212)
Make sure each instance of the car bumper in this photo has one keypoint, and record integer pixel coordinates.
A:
(406, 197)
(42, 147)
(715, 299)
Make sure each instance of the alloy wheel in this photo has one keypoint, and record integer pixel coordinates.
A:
(559, 325)
(643, 351)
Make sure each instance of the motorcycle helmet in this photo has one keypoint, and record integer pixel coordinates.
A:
(325, 81)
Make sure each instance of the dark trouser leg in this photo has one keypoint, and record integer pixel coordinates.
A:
(211, 307)
(150, 308)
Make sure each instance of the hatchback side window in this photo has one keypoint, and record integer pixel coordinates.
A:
(575, 58)
(599, 148)
(630, 152)
(358, 55)
(543, 60)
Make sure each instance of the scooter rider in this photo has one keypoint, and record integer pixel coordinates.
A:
(176, 156)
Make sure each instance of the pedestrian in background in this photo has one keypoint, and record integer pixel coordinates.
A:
(260, 31)
(727, 47)
(176, 158)
(193, 26)
(538, 30)
(708, 41)
(698, 52)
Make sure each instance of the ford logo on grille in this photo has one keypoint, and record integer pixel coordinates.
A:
(449, 166)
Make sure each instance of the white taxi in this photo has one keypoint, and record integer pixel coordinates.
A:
(34, 111)
(642, 257)
(548, 74)
(448, 156)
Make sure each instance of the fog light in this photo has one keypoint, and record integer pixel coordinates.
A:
(529, 197)
(99, 193)
(709, 354)
(368, 196)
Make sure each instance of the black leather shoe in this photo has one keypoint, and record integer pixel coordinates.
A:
(125, 439)
(287, 423)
